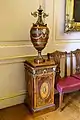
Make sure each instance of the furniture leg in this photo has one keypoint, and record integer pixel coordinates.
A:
(60, 100)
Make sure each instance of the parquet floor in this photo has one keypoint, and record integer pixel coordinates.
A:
(71, 111)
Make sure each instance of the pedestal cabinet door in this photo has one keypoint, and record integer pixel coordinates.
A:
(44, 89)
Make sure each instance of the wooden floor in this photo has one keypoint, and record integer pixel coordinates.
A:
(71, 111)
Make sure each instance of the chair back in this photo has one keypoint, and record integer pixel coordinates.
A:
(56, 56)
(76, 54)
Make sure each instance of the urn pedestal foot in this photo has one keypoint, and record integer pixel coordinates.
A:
(39, 59)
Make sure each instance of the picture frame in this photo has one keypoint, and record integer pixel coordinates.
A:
(72, 16)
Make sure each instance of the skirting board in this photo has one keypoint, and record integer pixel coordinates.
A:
(12, 100)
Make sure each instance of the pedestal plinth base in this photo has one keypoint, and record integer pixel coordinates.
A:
(39, 60)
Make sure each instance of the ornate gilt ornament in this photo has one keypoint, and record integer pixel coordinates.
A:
(72, 21)
(44, 89)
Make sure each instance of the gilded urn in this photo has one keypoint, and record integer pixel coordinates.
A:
(39, 34)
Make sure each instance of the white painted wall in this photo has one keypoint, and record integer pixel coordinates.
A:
(15, 44)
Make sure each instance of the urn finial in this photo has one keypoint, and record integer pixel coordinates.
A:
(40, 14)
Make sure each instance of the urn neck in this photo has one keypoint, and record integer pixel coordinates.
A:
(39, 53)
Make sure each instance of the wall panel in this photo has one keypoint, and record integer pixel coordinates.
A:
(16, 19)
(15, 45)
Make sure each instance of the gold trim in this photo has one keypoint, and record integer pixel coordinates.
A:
(12, 96)
(65, 41)
(14, 57)
(15, 40)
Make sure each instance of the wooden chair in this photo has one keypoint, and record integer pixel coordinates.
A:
(75, 55)
(64, 84)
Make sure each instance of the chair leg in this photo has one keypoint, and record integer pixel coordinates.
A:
(60, 100)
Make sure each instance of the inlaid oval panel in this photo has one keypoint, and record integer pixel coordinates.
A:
(44, 90)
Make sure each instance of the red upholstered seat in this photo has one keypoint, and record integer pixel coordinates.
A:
(76, 76)
(68, 84)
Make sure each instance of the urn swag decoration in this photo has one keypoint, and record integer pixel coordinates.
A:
(39, 34)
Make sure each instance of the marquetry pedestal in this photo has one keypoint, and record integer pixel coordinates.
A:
(39, 85)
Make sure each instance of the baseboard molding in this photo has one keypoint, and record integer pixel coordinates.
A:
(12, 100)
